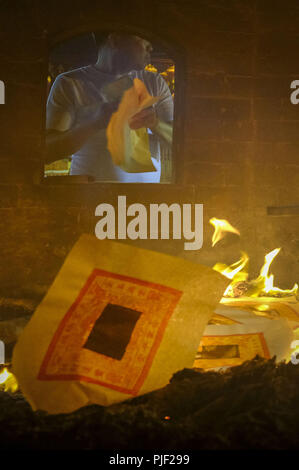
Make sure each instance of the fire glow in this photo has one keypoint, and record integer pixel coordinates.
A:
(221, 227)
(8, 382)
(263, 285)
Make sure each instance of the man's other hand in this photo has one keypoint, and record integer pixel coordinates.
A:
(145, 118)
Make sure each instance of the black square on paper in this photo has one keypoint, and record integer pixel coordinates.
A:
(112, 331)
(219, 351)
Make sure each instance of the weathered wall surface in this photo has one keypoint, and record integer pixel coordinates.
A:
(237, 131)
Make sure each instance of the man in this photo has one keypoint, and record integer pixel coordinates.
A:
(77, 116)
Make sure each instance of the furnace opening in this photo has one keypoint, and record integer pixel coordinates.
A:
(88, 77)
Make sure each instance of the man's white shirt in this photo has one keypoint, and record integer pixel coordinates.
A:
(73, 96)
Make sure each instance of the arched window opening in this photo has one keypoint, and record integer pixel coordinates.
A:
(88, 76)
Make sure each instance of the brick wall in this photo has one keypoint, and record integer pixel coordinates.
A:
(237, 131)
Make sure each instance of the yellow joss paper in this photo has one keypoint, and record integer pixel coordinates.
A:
(237, 333)
(130, 149)
(118, 321)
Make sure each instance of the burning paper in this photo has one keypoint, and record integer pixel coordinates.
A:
(237, 272)
(262, 285)
(130, 149)
(236, 333)
(255, 317)
(117, 322)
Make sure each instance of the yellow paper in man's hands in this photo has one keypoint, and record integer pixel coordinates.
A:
(129, 148)
(117, 322)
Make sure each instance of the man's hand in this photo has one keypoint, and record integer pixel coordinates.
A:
(145, 118)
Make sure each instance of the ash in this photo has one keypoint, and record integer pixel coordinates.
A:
(252, 406)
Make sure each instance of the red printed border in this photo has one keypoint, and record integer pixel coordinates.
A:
(159, 336)
(261, 337)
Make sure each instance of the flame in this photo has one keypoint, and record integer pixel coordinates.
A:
(232, 271)
(262, 285)
(268, 281)
(221, 226)
(235, 272)
(263, 307)
(268, 260)
(8, 382)
(271, 289)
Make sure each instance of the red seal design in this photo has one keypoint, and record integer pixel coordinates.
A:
(111, 333)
